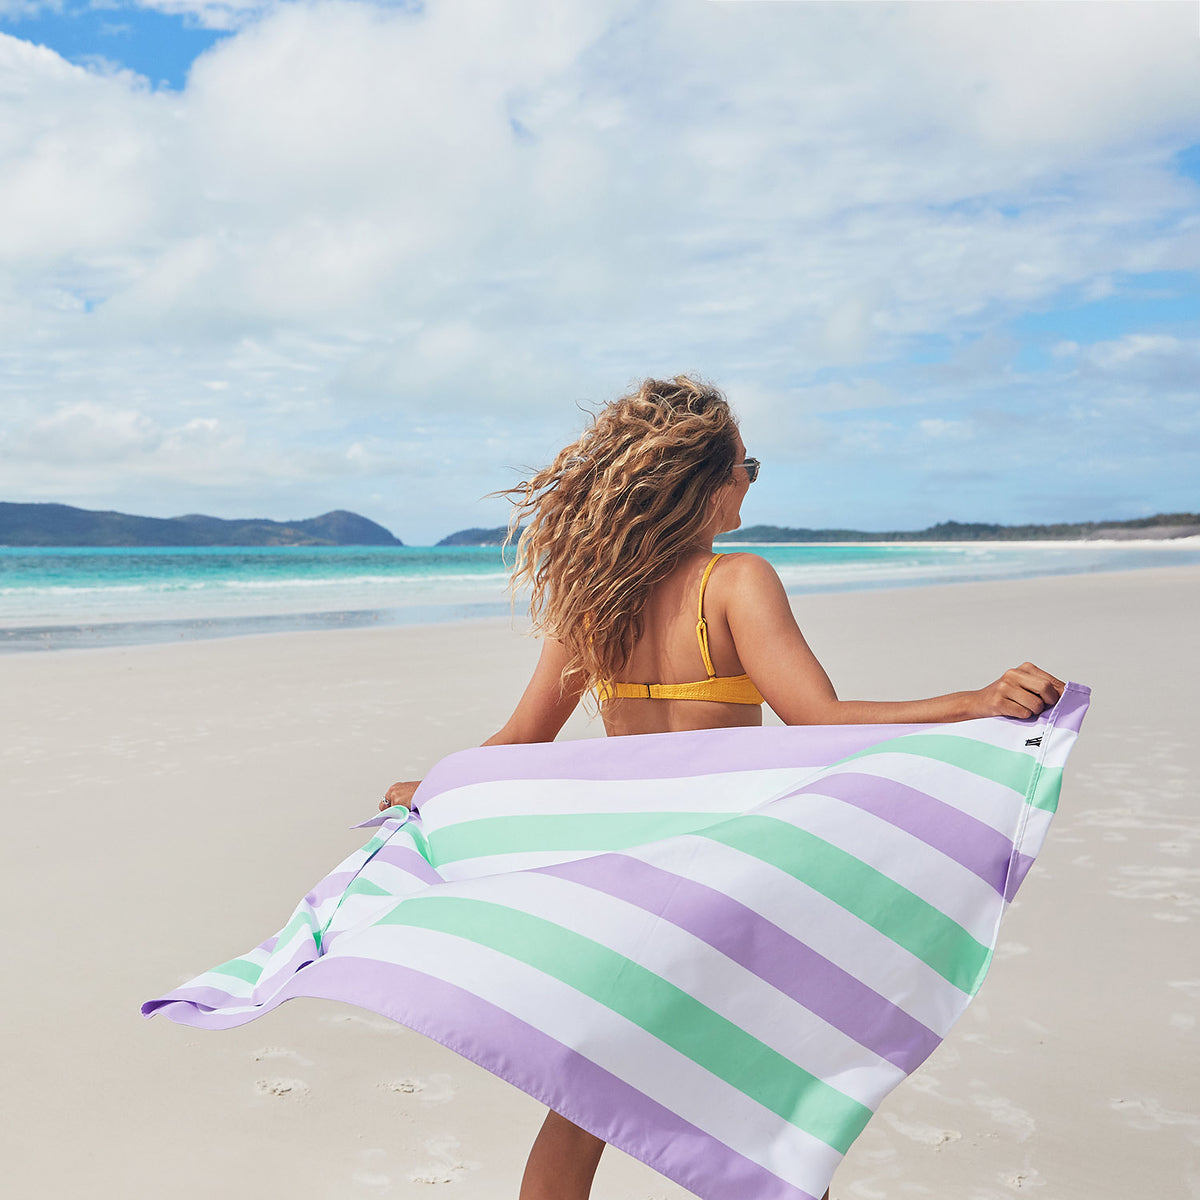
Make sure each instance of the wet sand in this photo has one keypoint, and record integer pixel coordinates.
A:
(166, 805)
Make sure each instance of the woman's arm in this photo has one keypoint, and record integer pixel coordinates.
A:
(544, 708)
(775, 655)
(540, 713)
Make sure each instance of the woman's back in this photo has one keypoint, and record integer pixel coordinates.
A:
(669, 651)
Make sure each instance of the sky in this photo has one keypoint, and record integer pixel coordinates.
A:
(268, 258)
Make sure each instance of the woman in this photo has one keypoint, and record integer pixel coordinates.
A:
(632, 602)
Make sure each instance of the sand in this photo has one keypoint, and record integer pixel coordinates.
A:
(167, 805)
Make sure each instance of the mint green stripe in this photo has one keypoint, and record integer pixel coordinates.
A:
(364, 887)
(1046, 789)
(1011, 768)
(420, 841)
(584, 831)
(900, 915)
(304, 919)
(650, 1002)
(239, 968)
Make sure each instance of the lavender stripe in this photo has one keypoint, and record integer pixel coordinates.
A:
(533, 1061)
(984, 851)
(409, 860)
(396, 813)
(334, 884)
(660, 755)
(760, 946)
(274, 970)
(403, 857)
(203, 997)
(1020, 868)
(1072, 705)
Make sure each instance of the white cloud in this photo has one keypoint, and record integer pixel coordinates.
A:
(1065, 76)
(84, 432)
(213, 14)
(440, 229)
(1170, 365)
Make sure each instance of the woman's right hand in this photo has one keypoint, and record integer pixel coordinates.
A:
(399, 793)
(1022, 691)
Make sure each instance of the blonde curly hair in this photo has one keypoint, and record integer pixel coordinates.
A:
(614, 513)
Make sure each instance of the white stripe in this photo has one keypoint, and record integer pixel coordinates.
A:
(1037, 826)
(235, 985)
(732, 791)
(995, 804)
(279, 966)
(818, 922)
(495, 864)
(399, 881)
(903, 857)
(998, 732)
(694, 967)
(1056, 746)
(613, 1043)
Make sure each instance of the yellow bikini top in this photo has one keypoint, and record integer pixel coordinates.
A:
(732, 689)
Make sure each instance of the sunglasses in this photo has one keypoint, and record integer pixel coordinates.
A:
(752, 465)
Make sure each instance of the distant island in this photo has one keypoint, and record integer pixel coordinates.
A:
(479, 537)
(62, 525)
(1163, 525)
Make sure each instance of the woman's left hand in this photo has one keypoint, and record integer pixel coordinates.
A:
(399, 793)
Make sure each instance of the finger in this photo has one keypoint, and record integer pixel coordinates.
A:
(1014, 708)
(1036, 682)
(1013, 700)
(1060, 683)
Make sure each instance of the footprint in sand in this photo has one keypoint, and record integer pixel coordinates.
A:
(928, 1084)
(405, 1086)
(926, 1135)
(1006, 1113)
(293, 1088)
(1173, 884)
(1007, 950)
(982, 1039)
(1146, 1113)
(1023, 1180)
(447, 1164)
(281, 1052)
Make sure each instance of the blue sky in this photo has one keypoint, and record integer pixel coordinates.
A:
(262, 258)
(158, 46)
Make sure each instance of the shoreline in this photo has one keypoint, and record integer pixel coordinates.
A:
(61, 636)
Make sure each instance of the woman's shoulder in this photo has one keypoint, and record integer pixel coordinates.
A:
(742, 567)
(742, 577)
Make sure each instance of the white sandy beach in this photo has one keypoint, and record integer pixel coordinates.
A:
(167, 805)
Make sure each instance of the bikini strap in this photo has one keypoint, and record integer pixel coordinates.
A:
(702, 624)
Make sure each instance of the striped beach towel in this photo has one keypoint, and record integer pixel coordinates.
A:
(716, 950)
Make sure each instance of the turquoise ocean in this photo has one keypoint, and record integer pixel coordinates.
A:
(53, 598)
